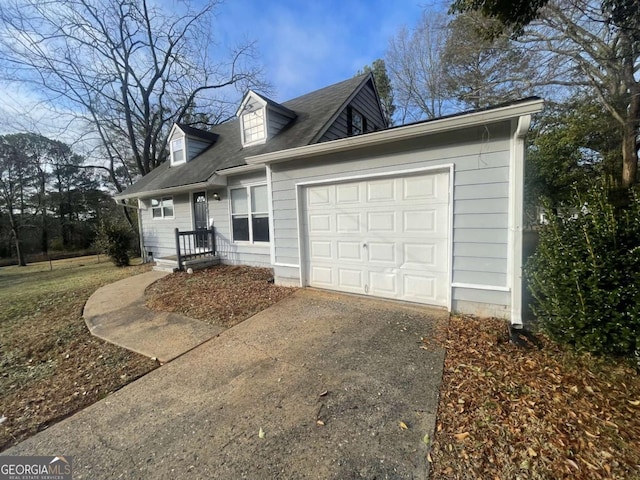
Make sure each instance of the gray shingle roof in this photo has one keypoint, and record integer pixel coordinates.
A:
(314, 112)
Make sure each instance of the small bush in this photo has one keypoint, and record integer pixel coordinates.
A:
(114, 240)
(585, 274)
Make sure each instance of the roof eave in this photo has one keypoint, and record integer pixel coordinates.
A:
(214, 181)
(401, 133)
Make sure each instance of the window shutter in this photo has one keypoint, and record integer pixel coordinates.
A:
(349, 121)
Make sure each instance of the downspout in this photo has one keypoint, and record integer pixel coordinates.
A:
(143, 253)
(516, 195)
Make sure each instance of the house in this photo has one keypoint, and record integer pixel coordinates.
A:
(316, 189)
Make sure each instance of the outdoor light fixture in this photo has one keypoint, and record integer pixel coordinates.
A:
(216, 196)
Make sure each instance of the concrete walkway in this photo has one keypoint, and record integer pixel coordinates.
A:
(326, 378)
(117, 313)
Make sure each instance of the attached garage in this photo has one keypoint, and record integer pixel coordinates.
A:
(428, 213)
(386, 236)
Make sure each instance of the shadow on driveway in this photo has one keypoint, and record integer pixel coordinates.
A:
(200, 415)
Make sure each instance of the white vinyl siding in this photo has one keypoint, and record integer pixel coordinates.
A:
(158, 236)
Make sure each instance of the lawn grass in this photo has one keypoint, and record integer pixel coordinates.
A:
(50, 366)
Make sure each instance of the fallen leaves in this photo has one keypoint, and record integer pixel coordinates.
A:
(223, 295)
(506, 412)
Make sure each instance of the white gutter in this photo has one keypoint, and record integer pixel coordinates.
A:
(400, 133)
(516, 199)
(214, 181)
(240, 169)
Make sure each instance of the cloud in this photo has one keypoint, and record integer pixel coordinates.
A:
(308, 45)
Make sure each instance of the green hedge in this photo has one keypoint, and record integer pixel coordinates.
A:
(585, 274)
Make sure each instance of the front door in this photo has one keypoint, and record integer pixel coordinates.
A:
(200, 218)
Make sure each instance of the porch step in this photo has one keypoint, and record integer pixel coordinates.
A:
(165, 265)
(171, 265)
(200, 263)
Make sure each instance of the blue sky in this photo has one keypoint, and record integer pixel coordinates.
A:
(302, 45)
(305, 45)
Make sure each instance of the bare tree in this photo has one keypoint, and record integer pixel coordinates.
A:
(584, 46)
(414, 62)
(482, 71)
(14, 171)
(128, 68)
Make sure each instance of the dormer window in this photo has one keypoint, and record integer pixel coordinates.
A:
(260, 119)
(177, 151)
(356, 123)
(253, 127)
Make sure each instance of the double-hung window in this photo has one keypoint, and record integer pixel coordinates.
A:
(177, 151)
(250, 214)
(162, 207)
(253, 127)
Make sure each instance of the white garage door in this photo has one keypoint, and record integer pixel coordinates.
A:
(386, 237)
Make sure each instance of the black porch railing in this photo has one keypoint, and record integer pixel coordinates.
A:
(194, 244)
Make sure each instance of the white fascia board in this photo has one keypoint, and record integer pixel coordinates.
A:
(401, 133)
(214, 181)
(240, 170)
(251, 95)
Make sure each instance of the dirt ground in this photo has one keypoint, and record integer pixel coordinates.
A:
(223, 295)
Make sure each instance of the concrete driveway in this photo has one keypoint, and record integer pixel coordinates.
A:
(353, 364)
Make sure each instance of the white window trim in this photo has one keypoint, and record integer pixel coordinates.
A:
(161, 207)
(184, 150)
(265, 120)
(248, 188)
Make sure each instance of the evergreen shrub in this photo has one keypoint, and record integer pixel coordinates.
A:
(114, 240)
(585, 274)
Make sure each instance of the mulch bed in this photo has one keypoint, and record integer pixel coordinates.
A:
(223, 295)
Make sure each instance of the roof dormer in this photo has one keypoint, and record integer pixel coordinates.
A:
(261, 118)
(186, 142)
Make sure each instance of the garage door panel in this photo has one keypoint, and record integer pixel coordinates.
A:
(419, 188)
(421, 288)
(384, 252)
(384, 237)
(349, 222)
(321, 276)
(320, 195)
(319, 223)
(349, 278)
(384, 221)
(381, 190)
(349, 251)
(419, 255)
(321, 250)
(384, 284)
(431, 221)
(347, 194)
